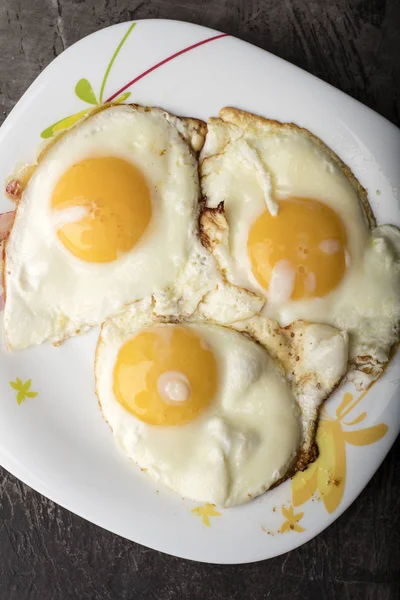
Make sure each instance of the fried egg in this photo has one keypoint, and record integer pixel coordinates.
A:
(107, 216)
(206, 410)
(288, 221)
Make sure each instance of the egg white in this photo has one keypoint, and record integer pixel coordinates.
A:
(261, 423)
(250, 164)
(237, 448)
(51, 294)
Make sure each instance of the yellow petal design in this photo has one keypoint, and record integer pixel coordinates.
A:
(357, 420)
(364, 437)
(304, 485)
(292, 519)
(328, 473)
(331, 475)
(346, 400)
(205, 512)
(285, 527)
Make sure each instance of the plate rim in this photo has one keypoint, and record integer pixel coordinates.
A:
(16, 468)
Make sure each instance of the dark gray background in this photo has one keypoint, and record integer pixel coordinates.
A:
(47, 553)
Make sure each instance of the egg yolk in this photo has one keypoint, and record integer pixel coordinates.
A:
(302, 248)
(165, 375)
(105, 207)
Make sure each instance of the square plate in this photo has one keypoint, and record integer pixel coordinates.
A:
(57, 441)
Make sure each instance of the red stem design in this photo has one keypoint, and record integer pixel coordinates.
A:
(163, 62)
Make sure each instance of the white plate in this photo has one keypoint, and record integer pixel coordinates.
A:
(57, 441)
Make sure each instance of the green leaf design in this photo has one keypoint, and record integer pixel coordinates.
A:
(48, 132)
(15, 385)
(85, 92)
(122, 97)
(63, 124)
(113, 58)
(20, 398)
(31, 394)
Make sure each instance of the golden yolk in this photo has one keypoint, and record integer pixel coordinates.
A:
(306, 234)
(113, 204)
(166, 353)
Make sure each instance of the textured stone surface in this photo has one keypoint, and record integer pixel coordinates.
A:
(48, 553)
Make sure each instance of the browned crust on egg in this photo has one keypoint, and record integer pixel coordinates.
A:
(370, 366)
(212, 226)
(197, 131)
(246, 121)
(303, 461)
(308, 452)
(211, 219)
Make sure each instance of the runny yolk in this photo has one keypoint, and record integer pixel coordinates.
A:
(165, 375)
(301, 250)
(103, 207)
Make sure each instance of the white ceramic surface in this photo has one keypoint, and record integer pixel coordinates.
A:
(57, 442)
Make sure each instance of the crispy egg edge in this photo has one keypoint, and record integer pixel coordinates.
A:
(308, 450)
(213, 224)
